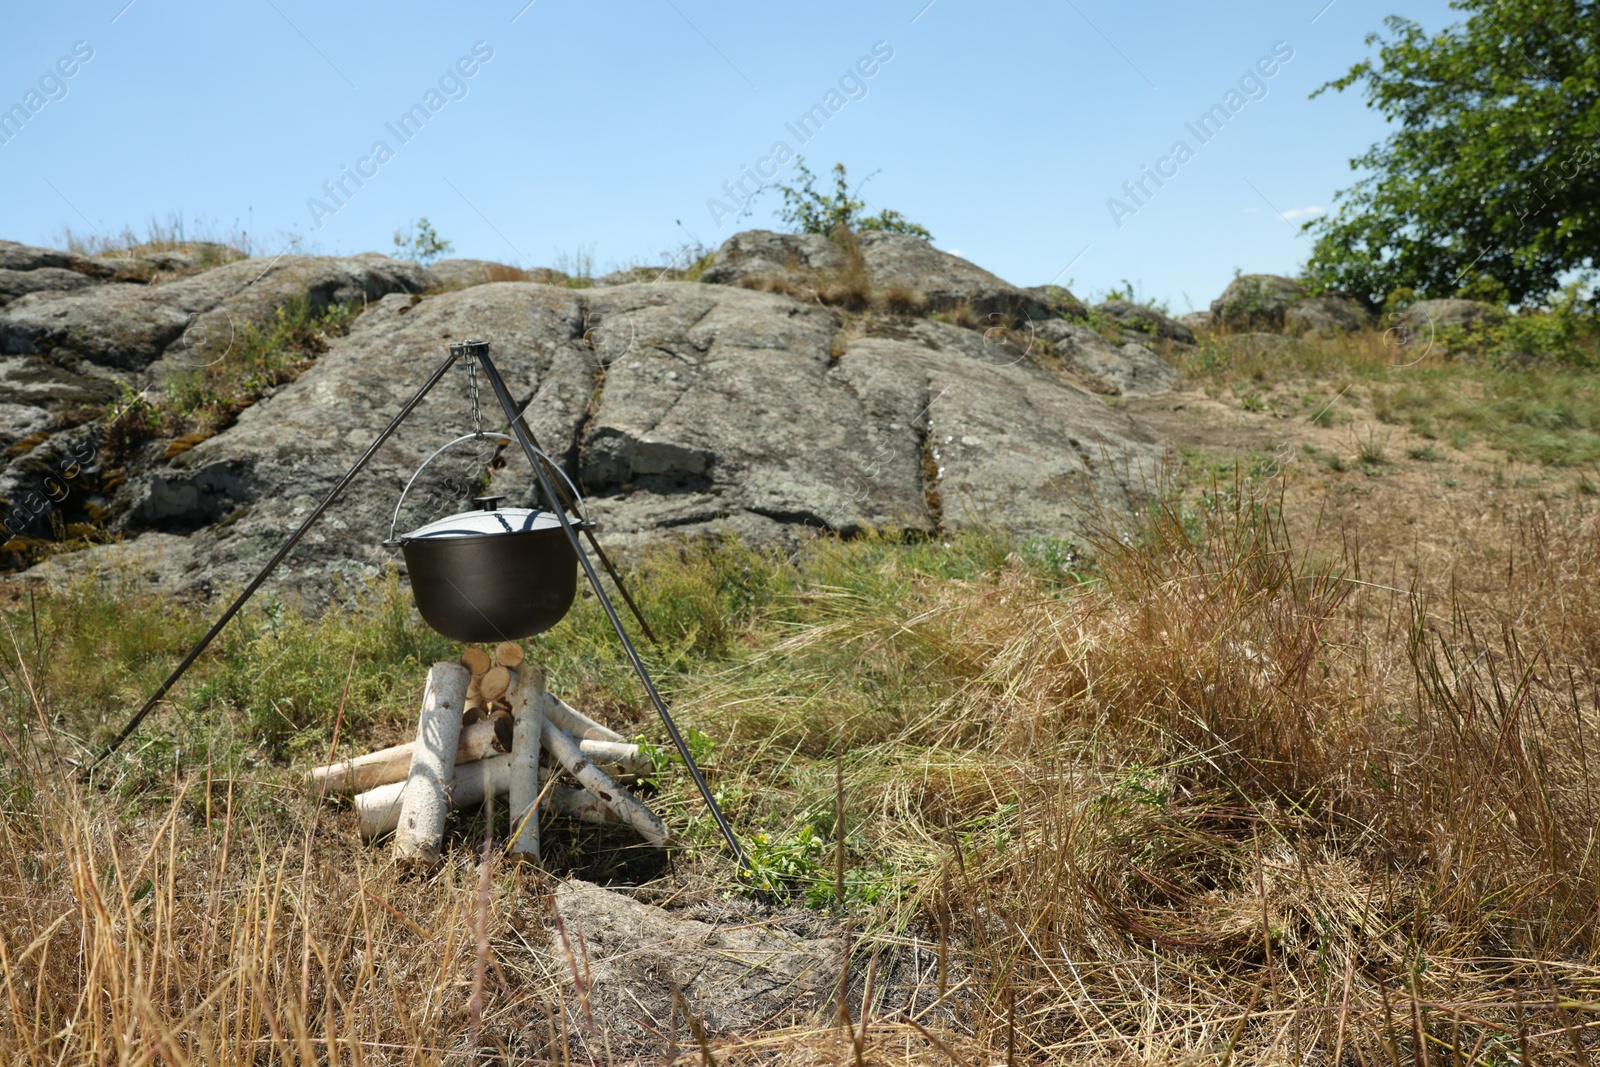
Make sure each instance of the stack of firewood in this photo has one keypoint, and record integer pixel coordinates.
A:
(483, 727)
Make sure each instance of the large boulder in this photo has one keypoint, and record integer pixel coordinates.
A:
(1059, 299)
(1146, 320)
(677, 406)
(758, 258)
(944, 281)
(1256, 302)
(1327, 314)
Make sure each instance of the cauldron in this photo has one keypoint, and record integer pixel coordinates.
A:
(495, 574)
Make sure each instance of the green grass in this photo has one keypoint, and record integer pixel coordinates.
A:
(1546, 412)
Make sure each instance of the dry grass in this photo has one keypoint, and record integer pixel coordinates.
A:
(1233, 794)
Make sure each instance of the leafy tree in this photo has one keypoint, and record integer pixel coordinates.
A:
(808, 211)
(1491, 184)
(420, 243)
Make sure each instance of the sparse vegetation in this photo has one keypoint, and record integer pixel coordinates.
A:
(420, 243)
(806, 210)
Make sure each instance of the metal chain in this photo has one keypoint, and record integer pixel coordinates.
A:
(472, 391)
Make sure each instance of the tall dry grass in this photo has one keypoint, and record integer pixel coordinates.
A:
(1222, 801)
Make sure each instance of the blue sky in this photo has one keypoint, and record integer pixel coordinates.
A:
(609, 128)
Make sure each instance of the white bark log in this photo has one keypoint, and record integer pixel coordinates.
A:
(527, 712)
(378, 810)
(425, 800)
(596, 781)
(360, 773)
(575, 722)
(616, 757)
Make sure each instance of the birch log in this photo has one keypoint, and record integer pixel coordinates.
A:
(481, 740)
(575, 722)
(360, 773)
(425, 800)
(596, 781)
(378, 810)
(527, 713)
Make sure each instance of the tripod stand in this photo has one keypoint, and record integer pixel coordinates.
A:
(559, 501)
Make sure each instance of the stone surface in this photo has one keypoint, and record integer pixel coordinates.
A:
(1147, 320)
(461, 273)
(1325, 315)
(720, 410)
(1130, 368)
(16, 283)
(734, 974)
(1059, 299)
(679, 407)
(755, 256)
(1256, 302)
(895, 265)
(1200, 322)
(130, 326)
(21, 257)
(896, 260)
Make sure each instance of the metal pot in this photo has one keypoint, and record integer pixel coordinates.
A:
(496, 574)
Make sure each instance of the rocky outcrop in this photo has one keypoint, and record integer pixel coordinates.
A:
(1059, 300)
(1256, 302)
(1325, 315)
(1127, 367)
(677, 406)
(696, 409)
(905, 271)
(1146, 320)
(16, 283)
(127, 327)
(757, 257)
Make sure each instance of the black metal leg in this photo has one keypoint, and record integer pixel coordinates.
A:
(480, 350)
(272, 564)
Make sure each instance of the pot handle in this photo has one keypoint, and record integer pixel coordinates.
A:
(394, 521)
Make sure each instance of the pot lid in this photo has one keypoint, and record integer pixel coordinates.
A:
(482, 523)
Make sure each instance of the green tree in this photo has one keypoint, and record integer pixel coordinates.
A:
(1491, 183)
(420, 243)
(808, 211)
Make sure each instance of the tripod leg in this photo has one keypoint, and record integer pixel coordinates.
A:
(480, 350)
(272, 564)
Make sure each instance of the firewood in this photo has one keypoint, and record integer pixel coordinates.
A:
(475, 660)
(473, 714)
(360, 773)
(576, 722)
(569, 755)
(616, 757)
(495, 684)
(508, 654)
(378, 810)
(479, 741)
(527, 712)
(425, 800)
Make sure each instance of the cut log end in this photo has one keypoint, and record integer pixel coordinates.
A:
(494, 683)
(508, 654)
